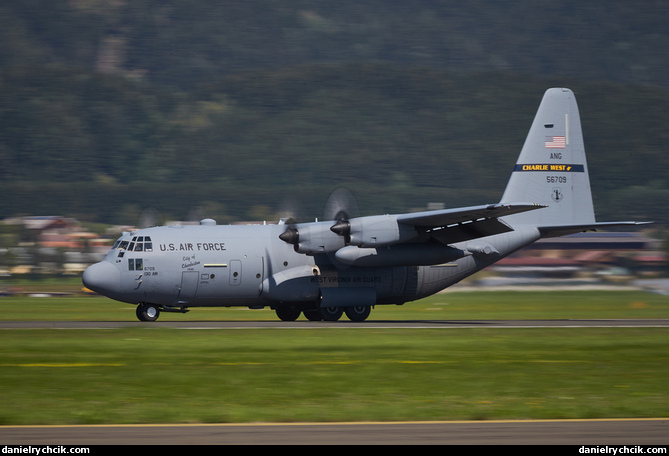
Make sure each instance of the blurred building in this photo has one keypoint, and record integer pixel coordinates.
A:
(51, 244)
(586, 255)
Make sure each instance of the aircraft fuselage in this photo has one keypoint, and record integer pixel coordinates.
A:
(248, 265)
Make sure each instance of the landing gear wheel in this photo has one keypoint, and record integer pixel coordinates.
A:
(331, 313)
(358, 313)
(147, 312)
(313, 315)
(287, 314)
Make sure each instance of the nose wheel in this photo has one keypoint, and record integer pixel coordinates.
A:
(147, 312)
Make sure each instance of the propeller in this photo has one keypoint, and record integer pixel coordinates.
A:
(289, 211)
(149, 217)
(288, 215)
(342, 206)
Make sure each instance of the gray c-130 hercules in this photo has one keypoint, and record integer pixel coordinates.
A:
(348, 265)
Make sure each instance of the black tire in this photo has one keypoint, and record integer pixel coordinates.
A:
(313, 315)
(331, 313)
(358, 313)
(287, 314)
(147, 312)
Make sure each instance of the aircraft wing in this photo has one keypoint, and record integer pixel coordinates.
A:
(445, 226)
(433, 219)
(461, 224)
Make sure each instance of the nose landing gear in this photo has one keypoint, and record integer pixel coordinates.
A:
(147, 312)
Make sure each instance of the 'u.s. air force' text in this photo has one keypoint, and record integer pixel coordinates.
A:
(193, 247)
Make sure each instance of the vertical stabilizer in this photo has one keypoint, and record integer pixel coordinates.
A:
(551, 169)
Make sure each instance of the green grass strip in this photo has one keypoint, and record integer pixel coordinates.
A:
(159, 375)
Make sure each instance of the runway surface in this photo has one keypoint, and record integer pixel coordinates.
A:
(564, 432)
(387, 324)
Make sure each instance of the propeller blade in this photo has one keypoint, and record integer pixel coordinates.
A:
(341, 205)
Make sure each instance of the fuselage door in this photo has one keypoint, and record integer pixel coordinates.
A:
(189, 281)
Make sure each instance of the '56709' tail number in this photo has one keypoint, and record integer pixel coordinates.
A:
(556, 179)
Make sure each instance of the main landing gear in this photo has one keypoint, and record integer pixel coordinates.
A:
(356, 313)
(151, 312)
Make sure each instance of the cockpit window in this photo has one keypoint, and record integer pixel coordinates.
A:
(137, 244)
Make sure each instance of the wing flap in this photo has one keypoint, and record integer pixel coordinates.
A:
(447, 217)
(462, 224)
(471, 230)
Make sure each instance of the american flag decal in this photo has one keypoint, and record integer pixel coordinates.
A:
(555, 142)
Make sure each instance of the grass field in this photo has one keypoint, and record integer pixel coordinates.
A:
(512, 305)
(161, 375)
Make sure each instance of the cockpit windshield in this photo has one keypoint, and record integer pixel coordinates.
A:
(136, 244)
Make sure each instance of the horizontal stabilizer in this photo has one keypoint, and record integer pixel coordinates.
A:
(562, 230)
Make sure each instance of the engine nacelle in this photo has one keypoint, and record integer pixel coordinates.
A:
(326, 237)
(378, 230)
(313, 238)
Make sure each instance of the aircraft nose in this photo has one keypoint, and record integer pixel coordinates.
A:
(102, 277)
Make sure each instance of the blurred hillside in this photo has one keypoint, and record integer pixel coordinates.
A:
(183, 43)
(254, 110)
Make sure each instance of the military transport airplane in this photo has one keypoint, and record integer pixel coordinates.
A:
(348, 265)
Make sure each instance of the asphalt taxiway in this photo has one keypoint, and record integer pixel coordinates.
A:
(541, 432)
(387, 324)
